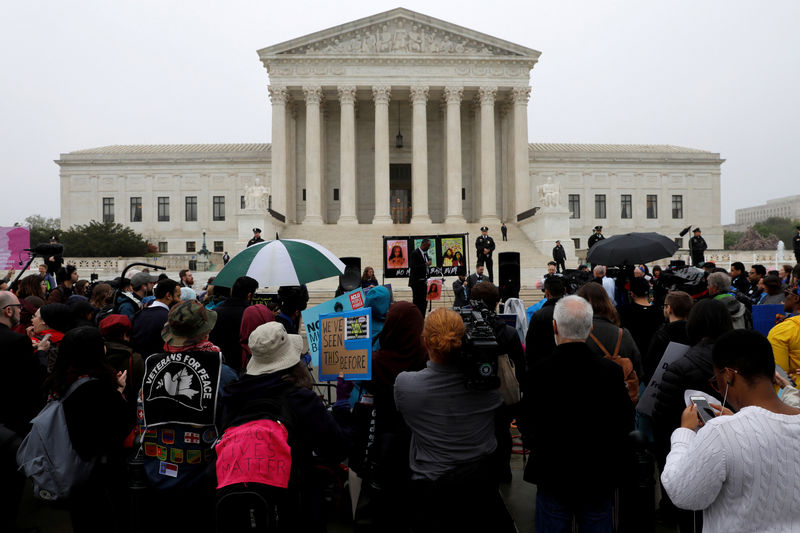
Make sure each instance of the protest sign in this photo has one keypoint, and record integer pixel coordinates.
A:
(764, 317)
(13, 241)
(647, 400)
(265, 298)
(434, 289)
(346, 302)
(254, 452)
(346, 345)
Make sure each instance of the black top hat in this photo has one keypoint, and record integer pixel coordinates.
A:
(256, 230)
(484, 228)
(696, 230)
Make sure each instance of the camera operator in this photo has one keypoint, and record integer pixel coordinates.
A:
(452, 437)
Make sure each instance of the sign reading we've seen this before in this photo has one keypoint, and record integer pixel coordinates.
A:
(345, 345)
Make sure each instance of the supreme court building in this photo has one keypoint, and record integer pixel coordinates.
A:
(394, 119)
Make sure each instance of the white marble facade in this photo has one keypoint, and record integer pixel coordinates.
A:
(341, 97)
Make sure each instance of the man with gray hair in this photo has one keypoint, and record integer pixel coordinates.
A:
(575, 480)
(719, 287)
(607, 283)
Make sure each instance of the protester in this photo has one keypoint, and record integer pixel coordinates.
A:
(47, 329)
(82, 310)
(475, 278)
(66, 277)
(719, 285)
(19, 402)
(378, 299)
(739, 469)
(785, 336)
(708, 320)
(785, 274)
(147, 325)
(739, 279)
(293, 301)
(575, 480)
(606, 327)
(116, 333)
(275, 372)
(229, 321)
(677, 306)
(49, 280)
(253, 316)
(773, 291)
(368, 279)
(186, 277)
(129, 299)
(452, 437)
(383, 462)
(754, 290)
(641, 317)
(102, 296)
(539, 342)
(80, 287)
(98, 422)
(32, 285)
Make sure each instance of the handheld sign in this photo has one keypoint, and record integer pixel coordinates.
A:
(764, 317)
(346, 345)
(647, 400)
(346, 302)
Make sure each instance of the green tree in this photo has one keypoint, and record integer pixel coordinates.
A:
(730, 238)
(42, 228)
(783, 228)
(103, 239)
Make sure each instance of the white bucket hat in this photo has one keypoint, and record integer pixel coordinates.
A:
(273, 349)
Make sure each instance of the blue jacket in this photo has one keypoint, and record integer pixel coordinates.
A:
(146, 333)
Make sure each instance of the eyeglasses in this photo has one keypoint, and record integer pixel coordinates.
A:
(12, 305)
(715, 383)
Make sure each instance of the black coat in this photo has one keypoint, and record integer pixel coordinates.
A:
(594, 238)
(643, 322)
(484, 242)
(697, 245)
(461, 299)
(672, 332)
(539, 342)
(692, 371)
(418, 267)
(226, 331)
(98, 419)
(146, 332)
(20, 395)
(559, 254)
(576, 435)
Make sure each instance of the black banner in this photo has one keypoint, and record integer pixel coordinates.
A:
(181, 388)
(447, 253)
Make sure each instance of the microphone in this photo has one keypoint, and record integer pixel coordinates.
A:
(47, 250)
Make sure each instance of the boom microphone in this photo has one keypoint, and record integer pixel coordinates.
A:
(47, 250)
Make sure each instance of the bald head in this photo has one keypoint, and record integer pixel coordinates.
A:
(9, 309)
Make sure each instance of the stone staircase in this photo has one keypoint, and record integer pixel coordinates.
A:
(365, 241)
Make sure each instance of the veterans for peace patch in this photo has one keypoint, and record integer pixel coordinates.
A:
(181, 388)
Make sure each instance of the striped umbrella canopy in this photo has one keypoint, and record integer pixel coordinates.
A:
(281, 262)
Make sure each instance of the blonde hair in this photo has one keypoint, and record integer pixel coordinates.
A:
(443, 332)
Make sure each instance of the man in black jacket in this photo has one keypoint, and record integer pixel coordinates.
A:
(148, 323)
(676, 310)
(575, 479)
(739, 278)
(559, 256)
(484, 247)
(460, 292)
(697, 245)
(229, 320)
(539, 342)
(418, 275)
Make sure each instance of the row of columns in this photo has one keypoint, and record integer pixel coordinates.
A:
(419, 168)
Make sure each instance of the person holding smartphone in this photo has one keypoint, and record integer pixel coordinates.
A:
(739, 468)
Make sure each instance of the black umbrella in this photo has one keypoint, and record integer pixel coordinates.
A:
(631, 249)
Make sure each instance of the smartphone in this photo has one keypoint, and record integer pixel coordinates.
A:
(704, 411)
(45, 338)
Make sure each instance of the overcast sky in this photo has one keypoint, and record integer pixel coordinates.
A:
(718, 75)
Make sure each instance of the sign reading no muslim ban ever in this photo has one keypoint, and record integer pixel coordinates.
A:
(181, 388)
(346, 345)
(346, 302)
(647, 400)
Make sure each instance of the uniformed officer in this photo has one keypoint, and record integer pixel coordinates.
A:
(596, 236)
(697, 245)
(484, 247)
(256, 237)
(796, 245)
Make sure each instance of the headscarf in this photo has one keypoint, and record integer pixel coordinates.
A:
(377, 299)
(401, 347)
(254, 316)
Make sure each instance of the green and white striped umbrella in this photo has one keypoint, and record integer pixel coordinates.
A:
(281, 262)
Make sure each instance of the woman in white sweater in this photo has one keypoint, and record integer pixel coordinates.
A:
(741, 470)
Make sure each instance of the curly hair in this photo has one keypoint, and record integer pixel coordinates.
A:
(443, 331)
(30, 286)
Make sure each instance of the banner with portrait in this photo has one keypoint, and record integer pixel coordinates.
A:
(447, 254)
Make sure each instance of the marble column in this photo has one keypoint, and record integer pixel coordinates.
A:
(454, 212)
(419, 155)
(521, 169)
(279, 186)
(488, 160)
(382, 94)
(313, 97)
(347, 156)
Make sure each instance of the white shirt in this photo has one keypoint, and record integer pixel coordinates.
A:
(156, 303)
(741, 470)
(611, 288)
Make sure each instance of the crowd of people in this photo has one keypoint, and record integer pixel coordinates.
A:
(158, 378)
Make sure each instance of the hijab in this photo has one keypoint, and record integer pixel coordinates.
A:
(254, 316)
(401, 347)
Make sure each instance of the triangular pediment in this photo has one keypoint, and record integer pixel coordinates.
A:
(399, 32)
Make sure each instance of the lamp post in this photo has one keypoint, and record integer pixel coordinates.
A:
(202, 255)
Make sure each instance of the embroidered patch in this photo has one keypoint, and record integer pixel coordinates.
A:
(191, 438)
(162, 452)
(176, 455)
(194, 457)
(150, 449)
(168, 436)
(210, 435)
(150, 434)
(168, 469)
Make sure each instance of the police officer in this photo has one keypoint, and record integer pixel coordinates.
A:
(484, 246)
(697, 245)
(559, 256)
(596, 236)
(256, 237)
(796, 245)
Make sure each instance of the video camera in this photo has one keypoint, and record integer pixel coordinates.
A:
(479, 348)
